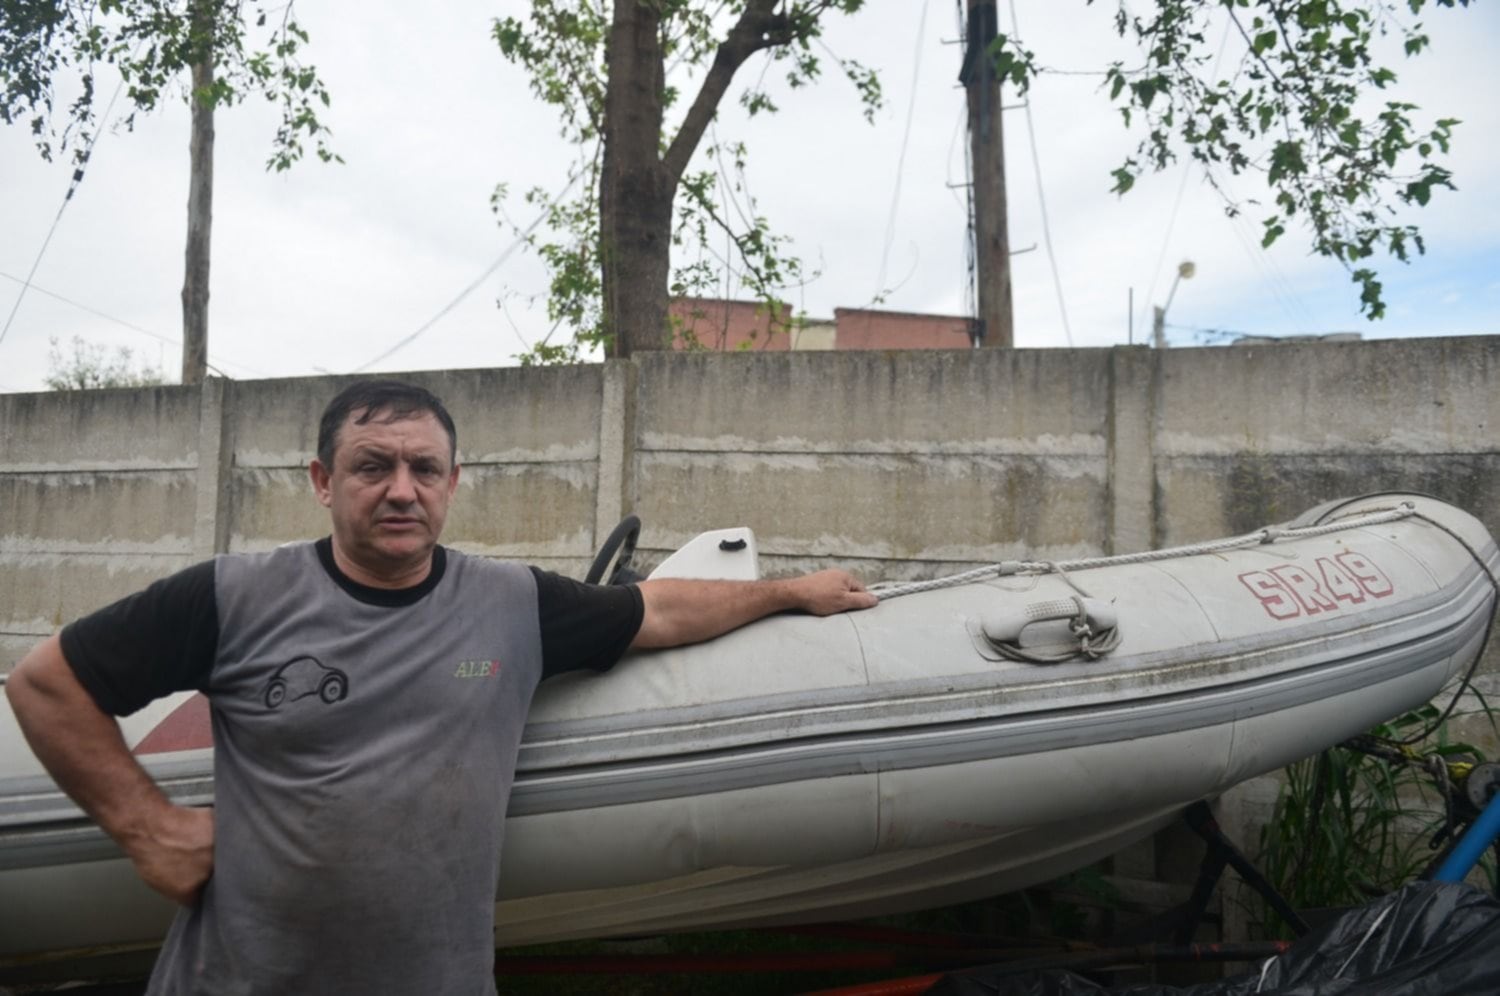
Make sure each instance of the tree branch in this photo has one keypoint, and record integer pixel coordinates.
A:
(743, 246)
(758, 28)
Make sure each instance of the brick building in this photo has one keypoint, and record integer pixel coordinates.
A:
(720, 325)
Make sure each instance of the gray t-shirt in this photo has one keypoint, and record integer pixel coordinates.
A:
(364, 750)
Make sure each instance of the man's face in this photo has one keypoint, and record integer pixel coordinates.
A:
(388, 491)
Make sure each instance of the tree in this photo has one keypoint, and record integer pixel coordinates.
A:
(52, 45)
(606, 69)
(1307, 105)
(92, 366)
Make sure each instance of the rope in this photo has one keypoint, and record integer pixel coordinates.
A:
(1260, 537)
(1467, 682)
(1090, 644)
(1399, 750)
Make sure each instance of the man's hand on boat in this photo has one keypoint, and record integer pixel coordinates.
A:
(832, 591)
(680, 611)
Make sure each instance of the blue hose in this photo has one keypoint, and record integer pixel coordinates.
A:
(1473, 844)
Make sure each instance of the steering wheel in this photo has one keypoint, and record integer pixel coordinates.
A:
(621, 540)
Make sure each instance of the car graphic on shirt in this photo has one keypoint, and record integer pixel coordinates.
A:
(303, 676)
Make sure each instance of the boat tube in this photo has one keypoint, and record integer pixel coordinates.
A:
(968, 736)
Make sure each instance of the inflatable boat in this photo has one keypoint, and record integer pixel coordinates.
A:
(969, 736)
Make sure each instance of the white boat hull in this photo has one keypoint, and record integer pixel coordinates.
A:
(808, 769)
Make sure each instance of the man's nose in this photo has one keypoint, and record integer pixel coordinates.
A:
(403, 488)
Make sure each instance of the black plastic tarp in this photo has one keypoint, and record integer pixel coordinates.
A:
(1425, 939)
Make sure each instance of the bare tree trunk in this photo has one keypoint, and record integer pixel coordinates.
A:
(639, 180)
(987, 146)
(635, 192)
(200, 204)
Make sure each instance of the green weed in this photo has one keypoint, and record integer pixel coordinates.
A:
(1348, 826)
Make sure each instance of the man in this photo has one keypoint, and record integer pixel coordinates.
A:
(360, 779)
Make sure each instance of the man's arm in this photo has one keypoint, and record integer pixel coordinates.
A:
(81, 747)
(679, 611)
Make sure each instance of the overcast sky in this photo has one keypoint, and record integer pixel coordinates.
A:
(327, 267)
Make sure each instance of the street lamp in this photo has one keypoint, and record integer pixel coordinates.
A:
(1185, 271)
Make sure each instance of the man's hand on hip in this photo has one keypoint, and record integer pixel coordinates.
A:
(176, 855)
(82, 748)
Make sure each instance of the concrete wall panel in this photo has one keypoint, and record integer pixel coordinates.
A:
(271, 506)
(42, 591)
(1392, 396)
(274, 423)
(521, 415)
(502, 415)
(83, 511)
(152, 427)
(526, 511)
(995, 402)
(927, 508)
(897, 464)
(1204, 498)
(528, 440)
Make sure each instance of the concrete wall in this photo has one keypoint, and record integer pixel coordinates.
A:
(897, 464)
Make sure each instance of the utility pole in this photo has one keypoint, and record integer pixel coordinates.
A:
(987, 150)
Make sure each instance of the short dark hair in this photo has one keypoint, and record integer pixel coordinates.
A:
(393, 398)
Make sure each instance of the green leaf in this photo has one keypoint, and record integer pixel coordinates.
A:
(1370, 301)
(1286, 161)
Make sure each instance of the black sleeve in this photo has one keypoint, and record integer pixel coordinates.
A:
(585, 625)
(155, 642)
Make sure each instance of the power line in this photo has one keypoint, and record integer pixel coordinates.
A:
(1036, 166)
(167, 340)
(1271, 276)
(1177, 203)
(724, 202)
(499, 261)
(72, 186)
(27, 285)
(83, 307)
(408, 340)
(971, 248)
(958, 129)
(911, 107)
(1166, 241)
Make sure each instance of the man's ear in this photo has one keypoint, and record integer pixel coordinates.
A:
(453, 481)
(322, 482)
